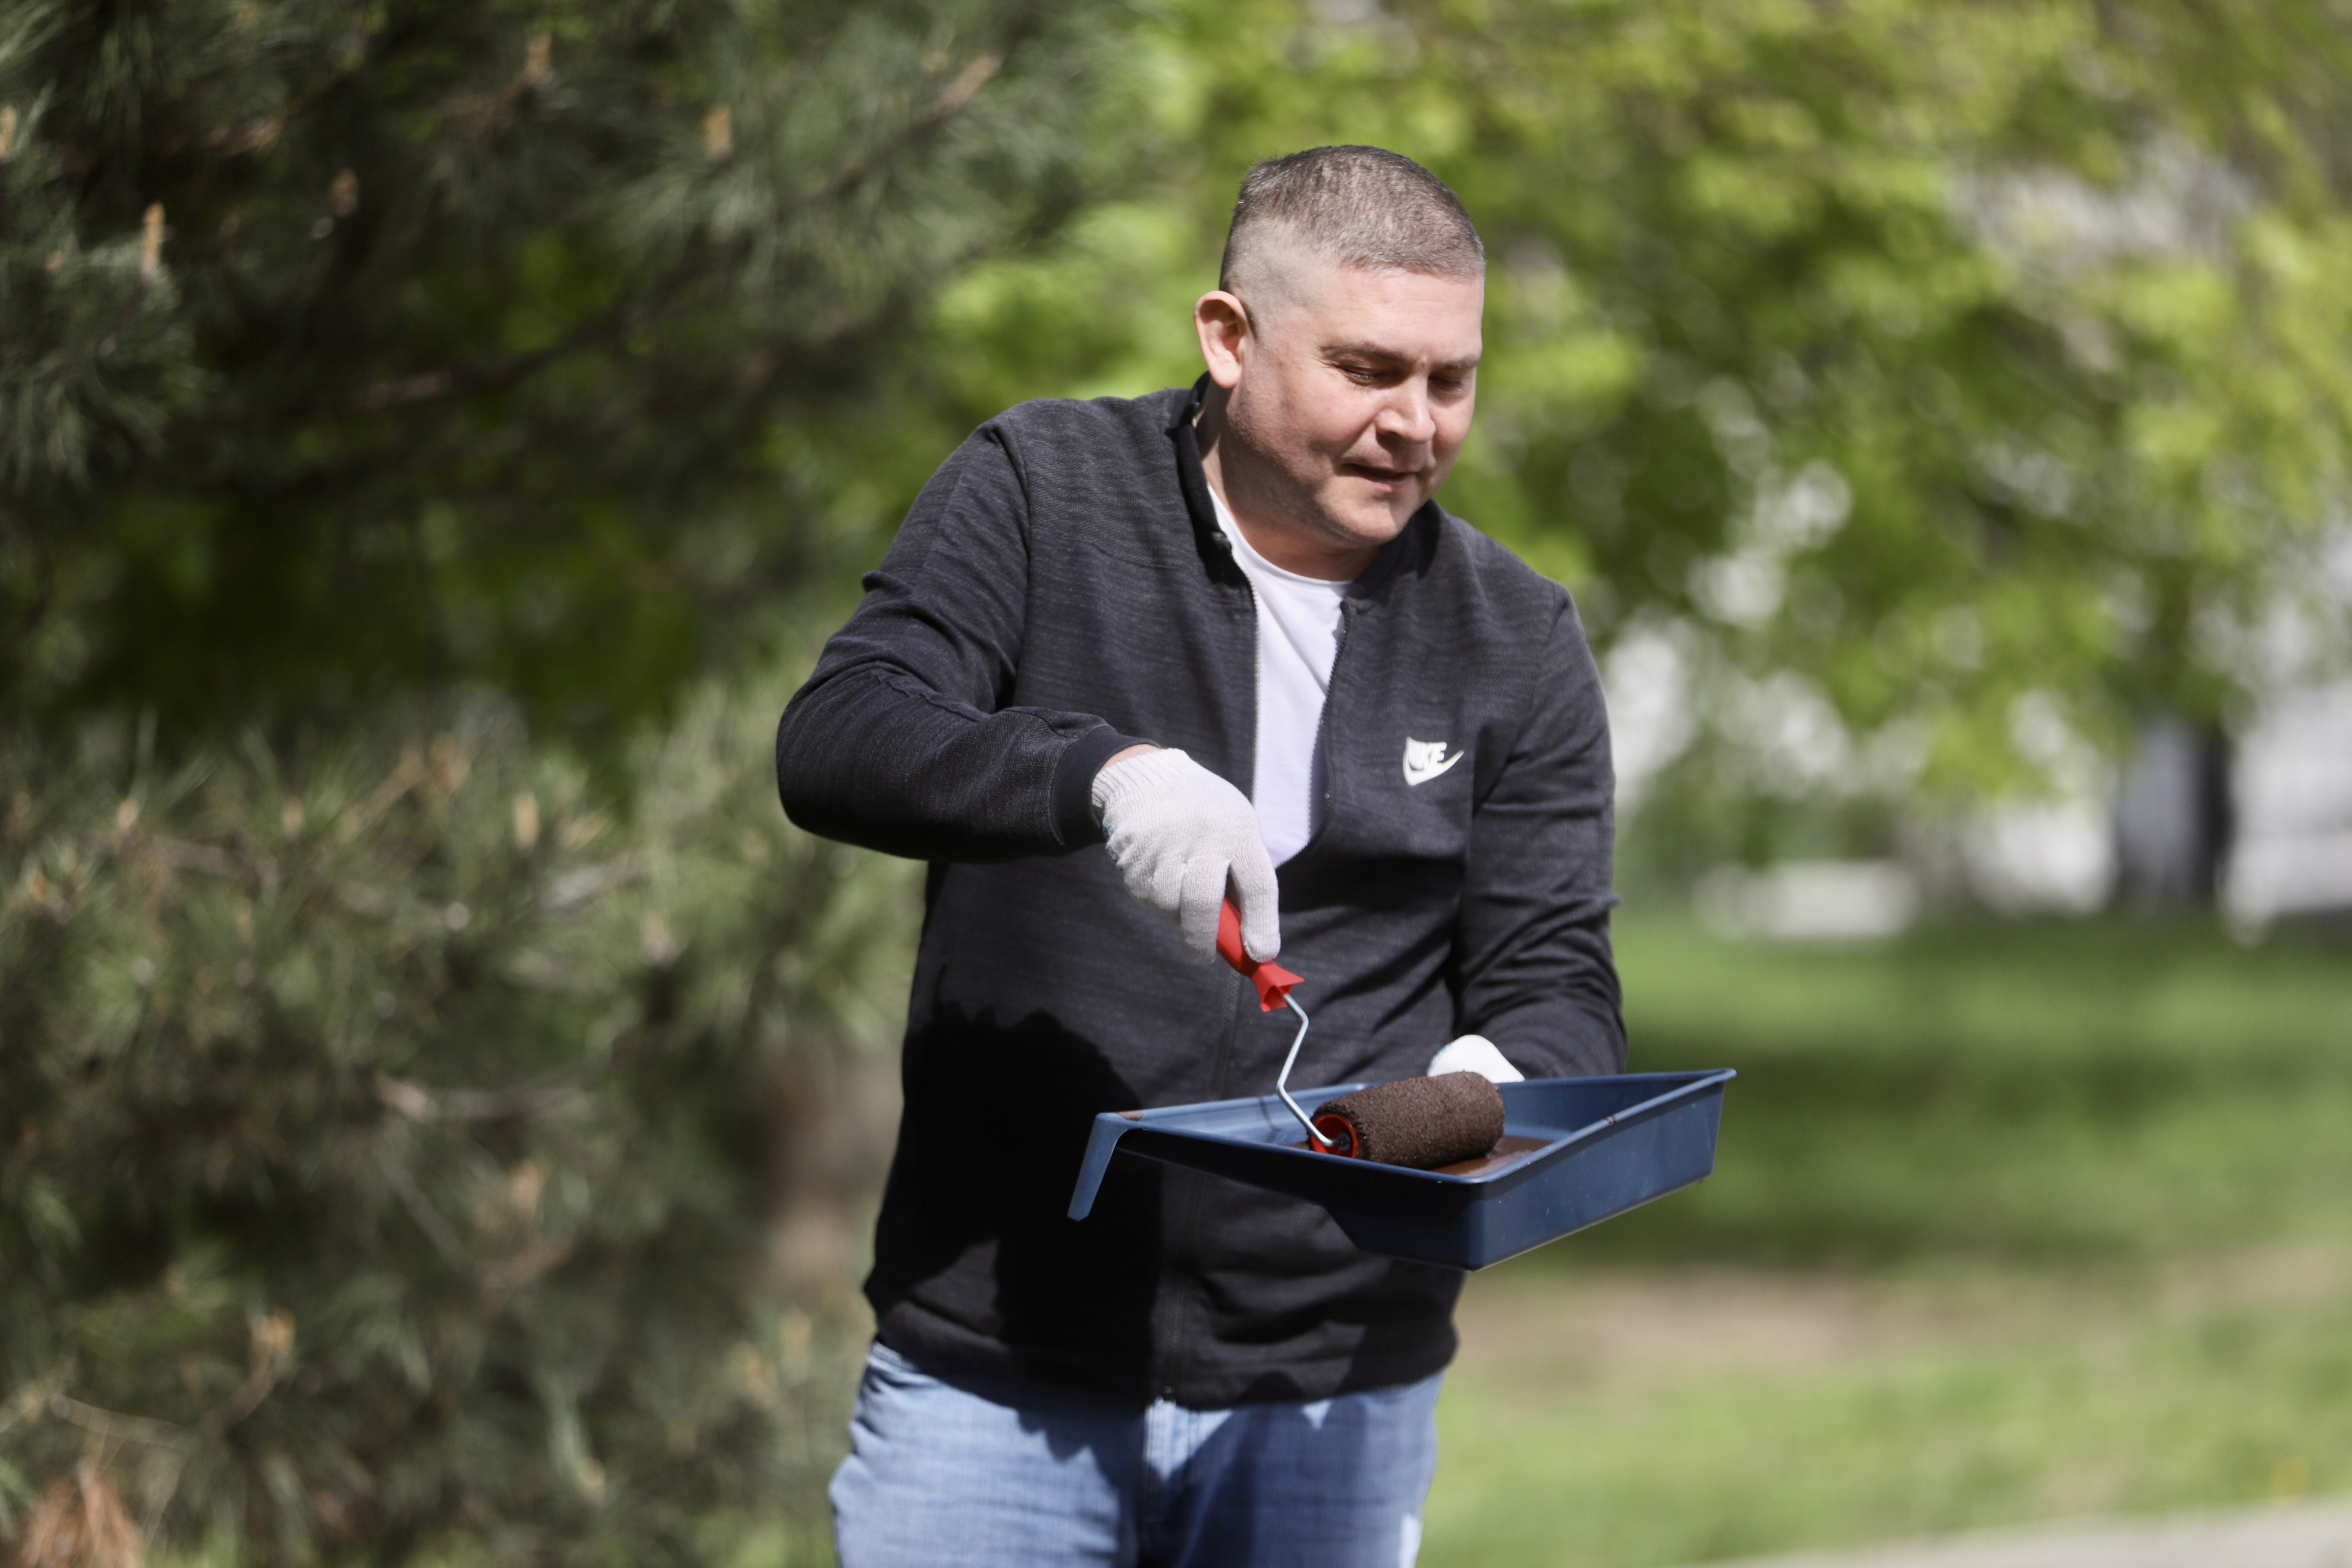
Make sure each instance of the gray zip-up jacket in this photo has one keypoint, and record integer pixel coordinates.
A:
(1060, 590)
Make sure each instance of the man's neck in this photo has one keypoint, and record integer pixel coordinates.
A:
(1257, 509)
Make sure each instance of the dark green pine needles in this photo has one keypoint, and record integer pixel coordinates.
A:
(395, 1125)
(514, 325)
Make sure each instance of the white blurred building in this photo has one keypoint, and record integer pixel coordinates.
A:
(2292, 784)
(2264, 828)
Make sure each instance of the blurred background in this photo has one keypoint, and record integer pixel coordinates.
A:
(441, 1100)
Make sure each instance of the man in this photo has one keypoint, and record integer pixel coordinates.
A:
(1124, 659)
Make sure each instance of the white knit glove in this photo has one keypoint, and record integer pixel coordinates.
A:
(1177, 833)
(1475, 1053)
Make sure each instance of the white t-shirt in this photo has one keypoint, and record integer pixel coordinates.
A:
(1297, 637)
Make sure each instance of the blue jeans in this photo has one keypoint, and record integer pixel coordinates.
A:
(938, 1474)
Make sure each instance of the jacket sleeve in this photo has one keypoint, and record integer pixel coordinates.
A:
(1531, 953)
(901, 740)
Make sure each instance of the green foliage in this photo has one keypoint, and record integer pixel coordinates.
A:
(408, 1140)
(388, 1136)
(1904, 360)
(512, 328)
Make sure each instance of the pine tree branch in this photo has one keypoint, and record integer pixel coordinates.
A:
(491, 375)
(181, 855)
(530, 1102)
(425, 386)
(266, 1364)
(32, 1398)
(509, 1274)
(493, 107)
(584, 884)
(441, 451)
(661, 304)
(113, 1425)
(814, 53)
(420, 1209)
(951, 100)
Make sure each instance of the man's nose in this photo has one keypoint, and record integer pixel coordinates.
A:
(1406, 414)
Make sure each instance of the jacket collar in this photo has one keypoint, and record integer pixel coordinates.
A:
(1216, 551)
(1419, 533)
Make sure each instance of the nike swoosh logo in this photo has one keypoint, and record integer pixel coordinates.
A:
(1425, 760)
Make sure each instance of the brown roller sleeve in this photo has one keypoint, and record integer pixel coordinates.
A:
(1423, 1123)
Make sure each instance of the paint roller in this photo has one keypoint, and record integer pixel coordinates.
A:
(1423, 1123)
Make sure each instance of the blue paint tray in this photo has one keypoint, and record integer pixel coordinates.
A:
(1575, 1152)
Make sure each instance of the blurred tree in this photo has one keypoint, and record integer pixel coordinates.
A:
(1933, 389)
(388, 1136)
(351, 349)
(402, 1140)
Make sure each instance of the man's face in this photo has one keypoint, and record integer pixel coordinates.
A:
(1349, 394)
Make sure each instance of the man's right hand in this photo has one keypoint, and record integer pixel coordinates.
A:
(1178, 833)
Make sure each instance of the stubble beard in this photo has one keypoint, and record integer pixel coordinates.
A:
(1298, 496)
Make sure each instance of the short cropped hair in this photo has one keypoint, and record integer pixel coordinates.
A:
(1363, 207)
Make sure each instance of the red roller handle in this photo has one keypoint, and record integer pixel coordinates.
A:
(1272, 981)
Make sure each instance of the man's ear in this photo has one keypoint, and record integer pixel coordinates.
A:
(1222, 322)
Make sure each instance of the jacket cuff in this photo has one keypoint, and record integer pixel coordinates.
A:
(1074, 783)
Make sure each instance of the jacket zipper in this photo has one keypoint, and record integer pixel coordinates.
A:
(1323, 731)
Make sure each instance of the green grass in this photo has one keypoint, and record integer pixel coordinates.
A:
(2046, 1130)
(2135, 1413)
(2063, 1092)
